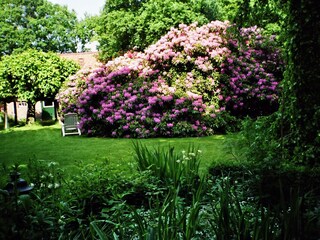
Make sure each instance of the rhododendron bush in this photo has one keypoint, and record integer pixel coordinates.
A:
(183, 85)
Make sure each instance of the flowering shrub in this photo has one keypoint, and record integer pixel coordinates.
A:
(179, 86)
(251, 75)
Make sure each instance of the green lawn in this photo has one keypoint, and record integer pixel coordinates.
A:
(18, 145)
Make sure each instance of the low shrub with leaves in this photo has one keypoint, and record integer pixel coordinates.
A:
(189, 83)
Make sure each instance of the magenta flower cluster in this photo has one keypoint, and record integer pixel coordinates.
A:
(180, 86)
(251, 74)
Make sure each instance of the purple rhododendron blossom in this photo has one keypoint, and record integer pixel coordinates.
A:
(156, 120)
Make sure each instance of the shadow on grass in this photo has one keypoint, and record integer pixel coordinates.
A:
(42, 123)
(48, 122)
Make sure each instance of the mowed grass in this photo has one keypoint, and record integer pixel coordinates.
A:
(18, 145)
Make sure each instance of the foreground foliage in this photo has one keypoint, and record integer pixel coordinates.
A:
(165, 197)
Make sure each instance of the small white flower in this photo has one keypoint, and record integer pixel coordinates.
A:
(50, 186)
(60, 221)
(52, 164)
(186, 158)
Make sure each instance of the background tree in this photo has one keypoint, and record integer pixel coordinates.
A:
(268, 14)
(157, 17)
(36, 24)
(125, 25)
(115, 5)
(228, 9)
(32, 76)
(87, 30)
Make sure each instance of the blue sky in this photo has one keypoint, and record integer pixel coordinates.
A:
(92, 7)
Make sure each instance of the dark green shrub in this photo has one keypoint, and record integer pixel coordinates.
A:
(289, 194)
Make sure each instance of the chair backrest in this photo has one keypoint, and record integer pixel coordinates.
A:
(70, 119)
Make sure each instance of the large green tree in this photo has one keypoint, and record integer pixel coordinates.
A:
(32, 76)
(36, 24)
(136, 24)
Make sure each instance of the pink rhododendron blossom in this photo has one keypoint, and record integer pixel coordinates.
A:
(193, 95)
(167, 98)
(156, 120)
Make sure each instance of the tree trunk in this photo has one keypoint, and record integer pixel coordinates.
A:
(15, 112)
(31, 113)
(56, 107)
(6, 121)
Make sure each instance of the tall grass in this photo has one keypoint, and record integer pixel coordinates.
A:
(231, 216)
(174, 217)
(169, 166)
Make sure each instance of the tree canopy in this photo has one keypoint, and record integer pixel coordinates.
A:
(136, 24)
(36, 24)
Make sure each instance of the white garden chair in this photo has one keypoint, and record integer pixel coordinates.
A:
(70, 125)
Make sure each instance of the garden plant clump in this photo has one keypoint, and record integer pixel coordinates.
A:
(163, 196)
(192, 82)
